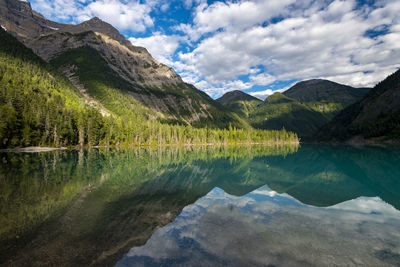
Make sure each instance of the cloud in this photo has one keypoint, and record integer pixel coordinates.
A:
(266, 93)
(262, 94)
(236, 16)
(124, 15)
(161, 46)
(329, 42)
(262, 79)
(240, 44)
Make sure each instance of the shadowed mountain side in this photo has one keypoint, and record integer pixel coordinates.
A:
(376, 117)
(318, 90)
(304, 108)
(325, 96)
(279, 111)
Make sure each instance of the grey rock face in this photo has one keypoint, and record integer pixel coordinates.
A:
(134, 64)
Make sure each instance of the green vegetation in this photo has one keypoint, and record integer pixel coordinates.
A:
(37, 104)
(40, 107)
(279, 111)
(303, 109)
(276, 112)
(85, 193)
(117, 95)
(325, 96)
(240, 103)
(377, 115)
(74, 205)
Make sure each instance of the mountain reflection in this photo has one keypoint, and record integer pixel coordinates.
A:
(90, 207)
(265, 228)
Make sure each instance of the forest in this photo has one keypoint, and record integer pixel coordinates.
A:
(40, 107)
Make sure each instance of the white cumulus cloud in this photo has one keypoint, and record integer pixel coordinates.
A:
(124, 15)
(309, 40)
(161, 46)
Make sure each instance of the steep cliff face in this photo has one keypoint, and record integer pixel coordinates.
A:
(148, 81)
(19, 19)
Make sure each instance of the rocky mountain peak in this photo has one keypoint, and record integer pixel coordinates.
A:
(21, 6)
(97, 23)
(129, 68)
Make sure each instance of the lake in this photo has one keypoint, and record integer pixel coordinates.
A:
(314, 205)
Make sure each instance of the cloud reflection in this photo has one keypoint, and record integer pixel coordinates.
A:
(264, 227)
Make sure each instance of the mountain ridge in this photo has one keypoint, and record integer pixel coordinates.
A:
(376, 117)
(304, 108)
(279, 111)
(236, 95)
(325, 96)
(154, 84)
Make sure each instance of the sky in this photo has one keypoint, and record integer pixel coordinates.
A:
(257, 46)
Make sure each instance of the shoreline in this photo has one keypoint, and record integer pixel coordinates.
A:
(32, 149)
(35, 149)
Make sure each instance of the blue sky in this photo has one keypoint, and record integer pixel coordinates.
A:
(257, 46)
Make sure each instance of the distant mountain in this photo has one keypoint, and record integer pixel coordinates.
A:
(241, 103)
(39, 106)
(325, 96)
(236, 95)
(375, 117)
(279, 111)
(85, 84)
(304, 108)
(325, 91)
(131, 73)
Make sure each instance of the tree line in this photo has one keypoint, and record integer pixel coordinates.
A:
(40, 107)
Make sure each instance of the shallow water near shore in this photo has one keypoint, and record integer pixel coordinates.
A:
(314, 205)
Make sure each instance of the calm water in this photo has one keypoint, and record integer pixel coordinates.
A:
(235, 206)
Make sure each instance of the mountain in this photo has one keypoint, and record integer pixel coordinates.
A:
(39, 106)
(280, 111)
(131, 73)
(375, 117)
(304, 108)
(236, 95)
(67, 85)
(325, 96)
(241, 103)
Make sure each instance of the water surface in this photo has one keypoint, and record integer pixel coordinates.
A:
(287, 206)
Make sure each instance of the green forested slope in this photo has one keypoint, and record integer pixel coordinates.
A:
(39, 106)
(377, 115)
(236, 95)
(115, 93)
(239, 102)
(325, 96)
(304, 108)
(279, 111)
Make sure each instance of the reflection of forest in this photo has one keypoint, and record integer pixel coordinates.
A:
(71, 191)
(83, 207)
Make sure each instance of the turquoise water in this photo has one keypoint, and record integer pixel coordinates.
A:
(200, 206)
